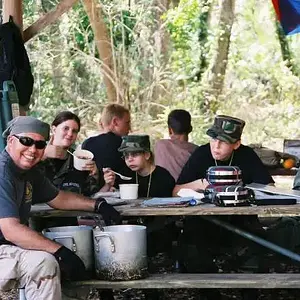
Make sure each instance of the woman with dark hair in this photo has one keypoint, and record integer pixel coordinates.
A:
(173, 153)
(58, 163)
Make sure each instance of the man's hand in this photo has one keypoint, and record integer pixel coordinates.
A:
(71, 266)
(107, 212)
(52, 151)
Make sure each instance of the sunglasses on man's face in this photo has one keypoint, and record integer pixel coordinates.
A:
(28, 142)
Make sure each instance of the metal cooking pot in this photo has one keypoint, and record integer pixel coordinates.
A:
(120, 252)
(78, 239)
(224, 175)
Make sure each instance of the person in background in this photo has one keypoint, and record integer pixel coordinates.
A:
(115, 121)
(27, 258)
(173, 153)
(154, 181)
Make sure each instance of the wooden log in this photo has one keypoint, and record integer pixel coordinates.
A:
(47, 19)
(199, 281)
(13, 8)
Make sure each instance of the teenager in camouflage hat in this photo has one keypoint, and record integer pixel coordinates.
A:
(227, 129)
(224, 149)
(154, 181)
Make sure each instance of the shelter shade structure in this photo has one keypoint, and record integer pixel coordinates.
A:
(13, 8)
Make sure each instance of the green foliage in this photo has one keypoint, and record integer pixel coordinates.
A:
(159, 60)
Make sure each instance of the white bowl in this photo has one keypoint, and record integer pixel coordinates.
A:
(81, 158)
(129, 191)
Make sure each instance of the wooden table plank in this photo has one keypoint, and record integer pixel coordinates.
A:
(135, 209)
(221, 280)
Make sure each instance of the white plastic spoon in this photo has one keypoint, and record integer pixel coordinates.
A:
(122, 176)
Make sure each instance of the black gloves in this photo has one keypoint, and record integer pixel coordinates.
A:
(107, 212)
(71, 266)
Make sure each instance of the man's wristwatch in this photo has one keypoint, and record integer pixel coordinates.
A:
(98, 203)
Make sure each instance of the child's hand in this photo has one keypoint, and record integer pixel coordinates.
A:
(109, 176)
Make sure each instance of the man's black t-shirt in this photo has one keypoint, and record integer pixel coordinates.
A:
(161, 185)
(105, 149)
(106, 155)
(244, 157)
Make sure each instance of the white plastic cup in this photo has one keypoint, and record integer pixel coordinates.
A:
(79, 161)
(129, 191)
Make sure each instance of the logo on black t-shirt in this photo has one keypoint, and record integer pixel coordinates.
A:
(28, 192)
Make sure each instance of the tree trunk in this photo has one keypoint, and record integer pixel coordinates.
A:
(104, 47)
(217, 68)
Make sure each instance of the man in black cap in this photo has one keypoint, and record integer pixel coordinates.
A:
(224, 149)
(26, 257)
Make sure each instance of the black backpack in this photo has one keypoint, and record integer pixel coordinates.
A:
(14, 62)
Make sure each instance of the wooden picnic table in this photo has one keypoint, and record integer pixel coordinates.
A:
(223, 280)
(135, 208)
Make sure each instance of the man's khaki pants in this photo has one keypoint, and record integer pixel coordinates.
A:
(37, 271)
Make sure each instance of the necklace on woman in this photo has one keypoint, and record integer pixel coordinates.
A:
(229, 162)
(149, 182)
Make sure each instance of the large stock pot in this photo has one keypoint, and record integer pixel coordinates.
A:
(120, 252)
(78, 239)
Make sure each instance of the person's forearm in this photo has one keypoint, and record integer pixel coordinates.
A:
(196, 185)
(72, 201)
(26, 238)
(106, 188)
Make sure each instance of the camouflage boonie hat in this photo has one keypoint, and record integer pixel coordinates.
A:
(135, 143)
(227, 129)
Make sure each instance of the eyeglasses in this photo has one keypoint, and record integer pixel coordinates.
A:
(131, 154)
(28, 142)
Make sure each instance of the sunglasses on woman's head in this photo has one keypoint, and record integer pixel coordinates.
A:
(28, 142)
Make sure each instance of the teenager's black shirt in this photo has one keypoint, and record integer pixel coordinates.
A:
(253, 170)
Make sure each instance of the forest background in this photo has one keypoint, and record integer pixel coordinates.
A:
(206, 56)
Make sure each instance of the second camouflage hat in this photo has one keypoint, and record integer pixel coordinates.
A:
(135, 143)
(227, 129)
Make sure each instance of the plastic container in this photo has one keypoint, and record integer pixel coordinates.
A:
(129, 191)
(81, 158)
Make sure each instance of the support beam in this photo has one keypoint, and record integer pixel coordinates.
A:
(13, 8)
(104, 47)
(49, 18)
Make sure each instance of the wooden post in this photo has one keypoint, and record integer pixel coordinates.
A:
(104, 47)
(13, 8)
